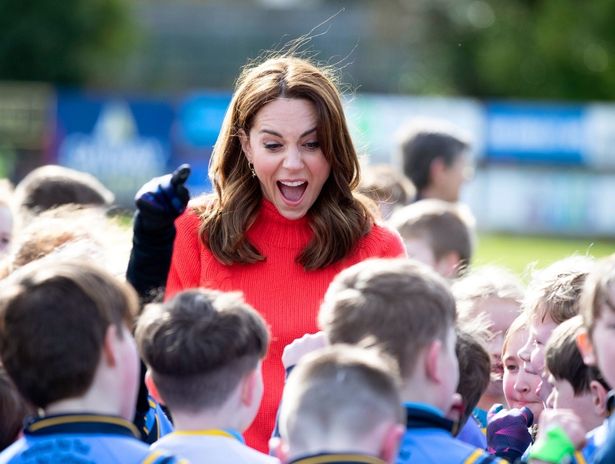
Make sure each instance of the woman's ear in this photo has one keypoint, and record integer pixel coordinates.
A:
(585, 346)
(152, 388)
(245, 144)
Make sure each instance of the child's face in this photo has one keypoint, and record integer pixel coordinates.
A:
(603, 340)
(563, 397)
(519, 386)
(450, 366)
(6, 229)
(533, 352)
(129, 372)
(501, 313)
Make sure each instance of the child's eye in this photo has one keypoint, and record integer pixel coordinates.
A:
(511, 367)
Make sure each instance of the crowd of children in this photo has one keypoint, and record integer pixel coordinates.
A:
(424, 359)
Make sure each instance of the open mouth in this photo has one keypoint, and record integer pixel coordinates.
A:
(292, 191)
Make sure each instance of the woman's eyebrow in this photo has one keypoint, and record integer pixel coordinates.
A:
(277, 134)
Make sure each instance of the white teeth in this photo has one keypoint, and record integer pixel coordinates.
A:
(293, 183)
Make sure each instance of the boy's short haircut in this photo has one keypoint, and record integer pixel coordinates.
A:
(50, 186)
(421, 142)
(555, 291)
(597, 296)
(402, 304)
(338, 392)
(14, 410)
(199, 345)
(474, 369)
(445, 226)
(564, 360)
(382, 183)
(53, 320)
(483, 283)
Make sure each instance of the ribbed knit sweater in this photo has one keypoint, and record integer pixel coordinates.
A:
(284, 293)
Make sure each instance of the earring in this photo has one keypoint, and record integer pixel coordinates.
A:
(251, 166)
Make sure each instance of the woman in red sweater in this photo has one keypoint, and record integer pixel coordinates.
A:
(285, 217)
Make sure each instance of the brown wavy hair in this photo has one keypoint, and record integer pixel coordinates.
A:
(339, 217)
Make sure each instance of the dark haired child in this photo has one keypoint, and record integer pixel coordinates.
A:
(82, 369)
(409, 311)
(204, 351)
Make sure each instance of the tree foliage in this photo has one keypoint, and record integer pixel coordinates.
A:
(63, 42)
(523, 48)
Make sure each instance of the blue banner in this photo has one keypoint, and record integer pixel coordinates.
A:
(536, 133)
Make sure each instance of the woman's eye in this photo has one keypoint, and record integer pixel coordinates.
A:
(272, 145)
(511, 367)
(312, 145)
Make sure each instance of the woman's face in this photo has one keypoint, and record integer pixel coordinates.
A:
(519, 385)
(284, 148)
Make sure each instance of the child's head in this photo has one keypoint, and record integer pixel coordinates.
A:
(328, 397)
(434, 156)
(520, 387)
(203, 349)
(598, 311)
(14, 411)
(438, 234)
(551, 298)
(574, 385)
(409, 311)
(50, 186)
(75, 232)
(494, 294)
(389, 188)
(65, 331)
(474, 368)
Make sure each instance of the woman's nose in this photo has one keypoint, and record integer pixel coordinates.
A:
(293, 159)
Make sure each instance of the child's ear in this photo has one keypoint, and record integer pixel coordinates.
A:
(448, 265)
(599, 397)
(432, 361)
(109, 348)
(436, 168)
(390, 444)
(586, 347)
(152, 388)
(249, 385)
(279, 448)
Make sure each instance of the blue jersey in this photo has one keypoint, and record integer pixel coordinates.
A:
(81, 439)
(155, 423)
(337, 458)
(428, 439)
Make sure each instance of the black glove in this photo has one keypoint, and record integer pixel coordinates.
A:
(164, 198)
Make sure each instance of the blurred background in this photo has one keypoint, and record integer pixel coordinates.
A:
(129, 89)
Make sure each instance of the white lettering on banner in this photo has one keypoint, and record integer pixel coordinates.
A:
(535, 134)
(115, 153)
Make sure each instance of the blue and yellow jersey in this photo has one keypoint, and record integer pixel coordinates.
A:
(82, 438)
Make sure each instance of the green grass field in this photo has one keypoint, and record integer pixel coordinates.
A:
(517, 252)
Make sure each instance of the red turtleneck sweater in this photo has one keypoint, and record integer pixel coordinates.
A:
(284, 293)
